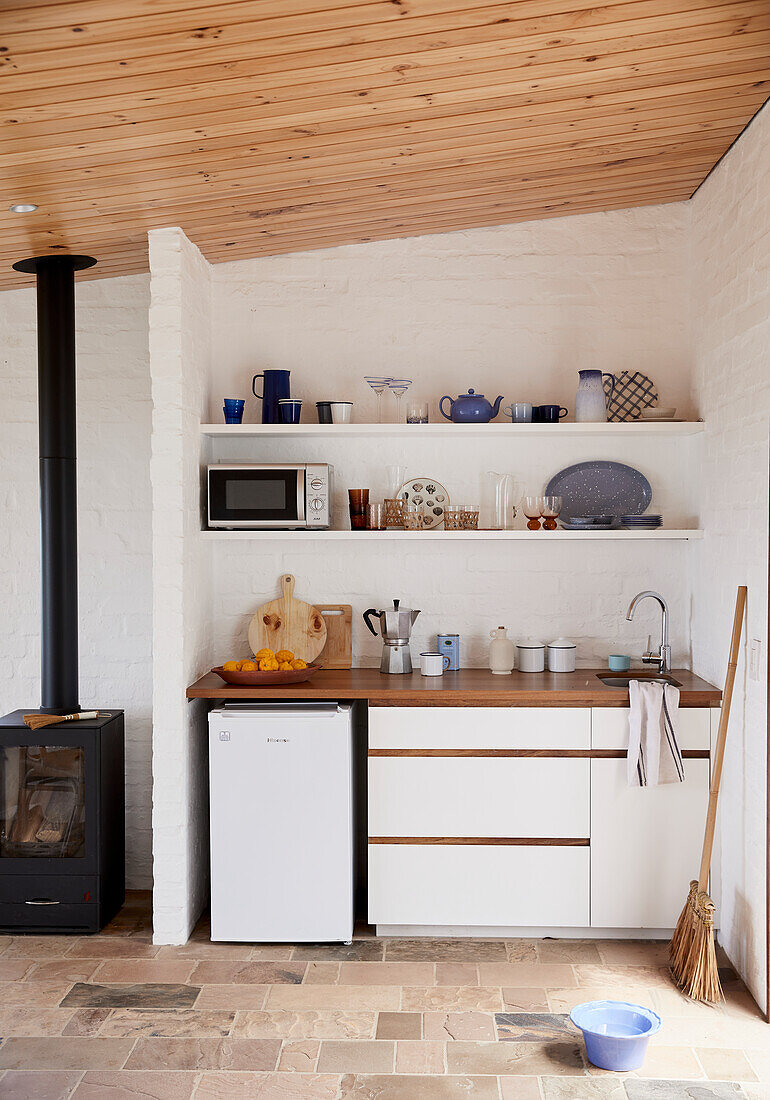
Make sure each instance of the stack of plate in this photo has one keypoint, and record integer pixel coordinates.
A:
(641, 523)
(589, 523)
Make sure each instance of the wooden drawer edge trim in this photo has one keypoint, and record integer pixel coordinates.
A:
(522, 841)
(568, 754)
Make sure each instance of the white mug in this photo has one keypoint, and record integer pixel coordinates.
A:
(433, 664)
(520, 412)
(341, 411)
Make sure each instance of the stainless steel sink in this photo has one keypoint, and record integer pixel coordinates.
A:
(622, 679)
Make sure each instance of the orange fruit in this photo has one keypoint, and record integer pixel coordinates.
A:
(231, 666)
(248, 666)
(284, 655)
(285, 666)
(299, 663)
(261, 653)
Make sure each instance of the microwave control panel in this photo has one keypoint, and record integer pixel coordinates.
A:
(318, 496)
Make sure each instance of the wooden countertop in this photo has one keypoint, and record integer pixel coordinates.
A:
(470, 687)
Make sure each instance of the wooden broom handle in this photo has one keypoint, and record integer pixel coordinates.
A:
(719, 753)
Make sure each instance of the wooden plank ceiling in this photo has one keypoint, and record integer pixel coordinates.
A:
(268, 126)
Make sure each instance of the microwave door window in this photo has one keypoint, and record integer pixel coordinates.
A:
(252, 496)
(255, 496)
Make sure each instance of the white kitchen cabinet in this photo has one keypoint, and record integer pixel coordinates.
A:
(609, 727)
(477, 885)
(479, 727)
(645, 845)
(479, 796)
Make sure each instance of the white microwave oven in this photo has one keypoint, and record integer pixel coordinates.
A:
(295, 495)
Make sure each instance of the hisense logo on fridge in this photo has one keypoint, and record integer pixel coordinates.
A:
(278, 740)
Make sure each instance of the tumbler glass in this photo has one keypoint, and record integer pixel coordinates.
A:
(376, 515)
(413, 517)
(358, 500)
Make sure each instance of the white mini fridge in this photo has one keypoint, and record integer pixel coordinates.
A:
(281, 810)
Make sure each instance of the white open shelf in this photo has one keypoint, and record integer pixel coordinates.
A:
(433, 431)
(371, 537)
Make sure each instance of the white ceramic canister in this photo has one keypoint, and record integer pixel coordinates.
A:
(531, 656)
(561, 655)
(501, 652)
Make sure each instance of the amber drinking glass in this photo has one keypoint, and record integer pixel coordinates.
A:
(551, 509)
(533, 510)
(358, 502)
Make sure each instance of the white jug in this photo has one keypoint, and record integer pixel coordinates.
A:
(590, 400)
(501, 652)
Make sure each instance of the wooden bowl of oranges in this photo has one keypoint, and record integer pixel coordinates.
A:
(266, 668)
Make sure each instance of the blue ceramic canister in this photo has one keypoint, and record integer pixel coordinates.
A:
(448, 645)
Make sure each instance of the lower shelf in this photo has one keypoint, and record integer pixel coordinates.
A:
(458, 536)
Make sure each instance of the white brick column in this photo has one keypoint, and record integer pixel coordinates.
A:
(180, 367)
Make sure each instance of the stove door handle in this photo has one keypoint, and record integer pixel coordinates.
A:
(41, 901)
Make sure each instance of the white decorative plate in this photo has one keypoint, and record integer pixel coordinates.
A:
(429, 494)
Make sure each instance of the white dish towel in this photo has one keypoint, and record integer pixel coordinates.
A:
(654, 756)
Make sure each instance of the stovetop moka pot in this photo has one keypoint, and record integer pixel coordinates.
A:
(395, 628)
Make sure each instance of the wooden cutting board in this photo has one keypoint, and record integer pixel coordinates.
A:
(338, 651)
(287, 623)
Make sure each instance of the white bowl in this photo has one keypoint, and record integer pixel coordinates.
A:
(657, 413)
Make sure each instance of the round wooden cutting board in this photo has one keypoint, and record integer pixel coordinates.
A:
(288, 624)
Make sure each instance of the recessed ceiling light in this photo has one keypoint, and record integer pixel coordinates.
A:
(23, 208)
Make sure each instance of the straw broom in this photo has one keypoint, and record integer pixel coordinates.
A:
(692, 951)
(39, 721)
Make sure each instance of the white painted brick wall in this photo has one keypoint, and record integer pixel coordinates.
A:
(179, 367)
(731, 352)
(114, 517)
(514, 309)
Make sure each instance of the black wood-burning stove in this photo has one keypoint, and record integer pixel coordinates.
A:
(62, 800)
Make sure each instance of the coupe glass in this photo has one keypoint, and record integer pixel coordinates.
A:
(399, 387)
(533, 510)
(378, 384)
(551, 509)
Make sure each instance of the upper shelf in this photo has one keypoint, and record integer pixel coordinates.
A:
(497, 431)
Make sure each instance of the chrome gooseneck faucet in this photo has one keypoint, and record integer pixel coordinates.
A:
(663, 657)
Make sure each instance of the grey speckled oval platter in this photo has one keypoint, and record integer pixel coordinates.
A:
(600, 488)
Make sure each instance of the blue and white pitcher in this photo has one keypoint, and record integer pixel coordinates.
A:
(591, 401)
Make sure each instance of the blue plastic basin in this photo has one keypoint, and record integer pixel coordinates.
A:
(616, 1033)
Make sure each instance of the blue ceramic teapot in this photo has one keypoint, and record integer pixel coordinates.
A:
(470, 408)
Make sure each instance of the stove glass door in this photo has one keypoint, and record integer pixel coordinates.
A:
(42, 802)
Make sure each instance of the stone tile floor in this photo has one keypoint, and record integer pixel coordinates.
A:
(113, 1017)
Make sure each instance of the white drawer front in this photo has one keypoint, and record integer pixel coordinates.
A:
(478, 797)
(479, 727)
(478, 885)
(610, 728)
(645, 845)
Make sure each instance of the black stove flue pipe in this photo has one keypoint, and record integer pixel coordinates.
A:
(58, 478)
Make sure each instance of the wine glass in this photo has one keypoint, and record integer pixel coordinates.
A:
(378, 384)
(399, 387)
(533, 510)
(551, 509)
